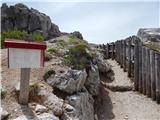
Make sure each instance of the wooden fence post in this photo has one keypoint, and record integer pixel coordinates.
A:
(121, 53)
(140, 68)
(129, 58)
(148, 74)
(124, 64)
(136, 65)
(24, 86)
(157, 74)
(144, 70)
(112, 49)
(153, 84)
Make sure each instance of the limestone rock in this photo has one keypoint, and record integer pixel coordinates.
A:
(44, 116)
(103, 66)
(71, 81)
(4, 114)
(50, 100)
(93, 80)
(40, 109)
(79, 106)
(149, 34)
(3, 91)
(21, 17)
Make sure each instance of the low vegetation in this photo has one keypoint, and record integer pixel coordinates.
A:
(153, 45)
(21, 35)
(52, 50)
(78, 57)
(73, 40)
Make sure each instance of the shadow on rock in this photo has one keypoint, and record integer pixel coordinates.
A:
(103, 105)
(28, 113)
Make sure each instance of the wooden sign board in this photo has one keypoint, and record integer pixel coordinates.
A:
(25, 54)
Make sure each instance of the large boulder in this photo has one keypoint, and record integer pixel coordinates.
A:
(79, 106)
(149, 34)
(102, 64)
(77, 34)
(50, 100)
(4, 114)
(21, 17)
(44, 116)
(93, 80)
(71, 81)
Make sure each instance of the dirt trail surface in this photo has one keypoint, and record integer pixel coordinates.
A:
(127, 104)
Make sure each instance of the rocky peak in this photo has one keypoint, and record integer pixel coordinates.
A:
(21, 17)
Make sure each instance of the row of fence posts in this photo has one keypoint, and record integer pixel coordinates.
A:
(141, 63)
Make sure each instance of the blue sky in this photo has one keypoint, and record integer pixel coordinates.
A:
(100, 22)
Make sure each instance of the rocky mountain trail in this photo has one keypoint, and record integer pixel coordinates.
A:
(118, 101)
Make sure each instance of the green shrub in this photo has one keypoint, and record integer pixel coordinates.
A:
(21, 35)
(61, 44)
(48, 74)
(73, 40)
(37, 37)
(52, 50)
(78, 57)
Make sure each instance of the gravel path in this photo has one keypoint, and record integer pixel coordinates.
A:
(126, 105)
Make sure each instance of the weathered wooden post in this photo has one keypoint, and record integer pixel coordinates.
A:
(25, 55)
(153, 82)
(121, 53)
(140, 67)
(129, 58)
(112, 49)
(136, 65)
(157, 74)
(148, 78)
(143, 70)
(124, 57)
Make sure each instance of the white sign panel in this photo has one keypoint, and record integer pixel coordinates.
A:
(24, 58)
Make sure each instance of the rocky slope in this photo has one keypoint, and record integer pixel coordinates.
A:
(21, 17)
(59, 91)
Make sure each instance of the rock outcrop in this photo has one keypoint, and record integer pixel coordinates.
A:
(77, 34)
(70, 81)
(149, 34)
(21, 17)
(93, 81)
(103, 66)
(44, 116)
(79, 106)
(4, 114)
(50, 100)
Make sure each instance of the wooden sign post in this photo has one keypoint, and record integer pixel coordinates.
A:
(25, 55)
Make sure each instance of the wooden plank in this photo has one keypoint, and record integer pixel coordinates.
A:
(129, 58)
(157, 74)
(136, 65)
(140, 68)
(112, 48)
(144, 70)
(24, 86)
(124, 65)
(153, 83)
(116, 50)
(121, 53)
(148, 74)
